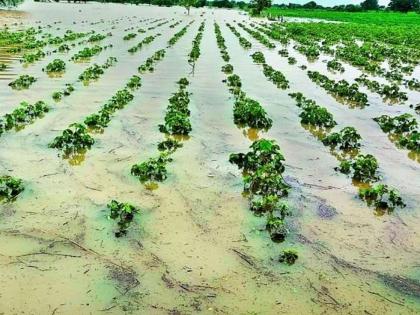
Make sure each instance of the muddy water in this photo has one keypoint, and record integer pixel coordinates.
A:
(195, 248)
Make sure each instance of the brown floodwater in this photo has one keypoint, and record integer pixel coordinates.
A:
(195, 248)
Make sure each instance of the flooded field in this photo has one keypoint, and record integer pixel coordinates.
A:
(194, 246)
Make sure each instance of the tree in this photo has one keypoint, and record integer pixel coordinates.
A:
(259, 5)
(370, 5)
(310, 5)
(188, 4)
(404, 5)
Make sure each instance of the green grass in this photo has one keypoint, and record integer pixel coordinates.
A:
(370, 17)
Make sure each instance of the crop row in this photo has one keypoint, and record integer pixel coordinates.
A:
(263, 165)
(179, 34)
(76, 139)
(368, 55)
(258, 36)
(342, 90)
(195, 51)
(344, 145)
(91, 73)
(269, 72)
(69, 36)
(391, 92)
(242, 40)
(176, 123)
(145, 41)
(22, 116)
(403, 130)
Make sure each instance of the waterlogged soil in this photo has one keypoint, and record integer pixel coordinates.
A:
(195, 248)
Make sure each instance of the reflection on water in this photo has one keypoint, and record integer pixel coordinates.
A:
(75, 158)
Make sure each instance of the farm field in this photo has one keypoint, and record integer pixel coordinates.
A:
(154, 162)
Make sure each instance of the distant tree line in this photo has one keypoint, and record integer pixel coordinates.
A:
(394, 5)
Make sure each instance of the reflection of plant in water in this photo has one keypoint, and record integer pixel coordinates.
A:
(10, 187)
(123, 213)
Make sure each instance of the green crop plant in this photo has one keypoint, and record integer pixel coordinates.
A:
(363, 168)
(23, 82)
(382, 197)
(123, 213)
(57, 65)
(249, 112)
(347, 138)
(154, 169)
(73, 139)
(10, 188)
(288, 256)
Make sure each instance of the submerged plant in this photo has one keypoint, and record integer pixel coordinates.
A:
(86, 53)
(276, 226)
(404, 127)
(73, 139)
(335, 65)
(169, 145)
(10, 187)
(177, 119)
(315, 115)
(228, 68)
(123, 213)
(23, 115)
(23, 82)
(153, 169)
(382, 197)
(363, 167)
(57, 65)
(258, 57)
(249, 112)
(288, 256)
(276, 77)
(398, 124)
(347, 138)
